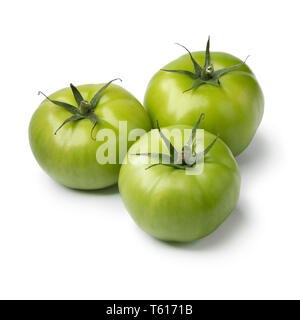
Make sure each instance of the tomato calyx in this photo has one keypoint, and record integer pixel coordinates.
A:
(186, 157)
(205, 74)
(84, 110)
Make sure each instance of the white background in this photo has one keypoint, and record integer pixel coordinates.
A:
(59, 243)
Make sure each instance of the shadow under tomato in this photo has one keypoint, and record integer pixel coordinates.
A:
(105, 191)
(255, 155)
(111, 190)
(221, 236)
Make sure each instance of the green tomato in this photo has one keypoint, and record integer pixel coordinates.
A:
(68, 155)
(224, 89)
(172, 205)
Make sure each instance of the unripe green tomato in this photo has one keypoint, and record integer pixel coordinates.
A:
(69, 156)
(232, 103)
(170, 204)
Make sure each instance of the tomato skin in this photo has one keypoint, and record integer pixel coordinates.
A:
(173, 206)
(69, 157)
(234, 109)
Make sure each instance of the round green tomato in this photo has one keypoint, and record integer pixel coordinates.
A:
(172, 204)
(231, 100)
(69, 156)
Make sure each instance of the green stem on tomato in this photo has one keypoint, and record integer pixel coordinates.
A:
(206, 74)
(84, 110)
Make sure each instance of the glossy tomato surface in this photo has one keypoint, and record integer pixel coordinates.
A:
(172, 205)
(69, 157)
(233, 109)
